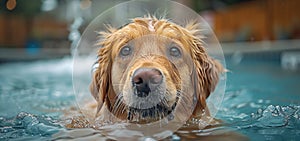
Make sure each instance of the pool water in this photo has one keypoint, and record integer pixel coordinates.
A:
(262, 101)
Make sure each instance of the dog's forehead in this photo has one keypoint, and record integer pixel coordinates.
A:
(152, 44)
(141, 27)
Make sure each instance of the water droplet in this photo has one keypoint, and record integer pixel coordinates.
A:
(175, 138)
(260, 101)
(149, 139)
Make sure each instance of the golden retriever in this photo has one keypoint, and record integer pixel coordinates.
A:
(144, 66)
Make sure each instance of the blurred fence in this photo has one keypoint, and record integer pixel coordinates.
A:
(254, 20)
(17, 31)
(258, 20)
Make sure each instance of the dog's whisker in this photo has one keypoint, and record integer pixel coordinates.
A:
(118, 84)
(115, 106)
(118, 104)
(164, 102)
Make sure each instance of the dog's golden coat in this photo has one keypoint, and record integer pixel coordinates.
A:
(205, 68)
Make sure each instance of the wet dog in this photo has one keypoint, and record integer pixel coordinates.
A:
(148, 66)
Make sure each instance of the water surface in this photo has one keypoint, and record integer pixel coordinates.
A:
(262, 101)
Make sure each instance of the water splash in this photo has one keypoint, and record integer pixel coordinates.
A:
(271, 123)
(26, 125)
(74, 35)
(277, 116)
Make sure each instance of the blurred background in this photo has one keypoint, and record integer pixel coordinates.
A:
(42, 29)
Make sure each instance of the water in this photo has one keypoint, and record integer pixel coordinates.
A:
(262, 102)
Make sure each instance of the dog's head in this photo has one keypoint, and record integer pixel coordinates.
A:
(145, 65)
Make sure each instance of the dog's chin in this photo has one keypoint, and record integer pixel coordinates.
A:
(152, 114)
(155, 112)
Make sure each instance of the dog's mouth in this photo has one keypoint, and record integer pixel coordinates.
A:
(155, 113)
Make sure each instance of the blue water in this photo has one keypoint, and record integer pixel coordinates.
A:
(262, 101)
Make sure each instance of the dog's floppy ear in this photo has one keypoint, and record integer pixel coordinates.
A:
(206, 71)
(99, 86)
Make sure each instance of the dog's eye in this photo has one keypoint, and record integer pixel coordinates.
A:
(174, 51)
(125, 51)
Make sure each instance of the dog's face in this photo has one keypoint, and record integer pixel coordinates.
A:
(147, 66)
(146, 76)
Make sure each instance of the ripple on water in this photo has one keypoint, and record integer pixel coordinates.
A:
(25, 125)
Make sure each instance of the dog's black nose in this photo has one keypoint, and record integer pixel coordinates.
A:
(146, 80)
